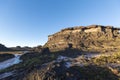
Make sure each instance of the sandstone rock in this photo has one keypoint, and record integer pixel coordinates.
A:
(90, 38)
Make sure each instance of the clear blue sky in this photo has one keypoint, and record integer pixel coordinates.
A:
(29, 22)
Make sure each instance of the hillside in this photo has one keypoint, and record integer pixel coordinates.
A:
(89, 38)
(3, 48)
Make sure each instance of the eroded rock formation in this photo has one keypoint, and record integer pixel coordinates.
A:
(90, 38)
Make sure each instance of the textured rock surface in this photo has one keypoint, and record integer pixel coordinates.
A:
(90, 38)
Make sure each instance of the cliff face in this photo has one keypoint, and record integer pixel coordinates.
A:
(90, 38)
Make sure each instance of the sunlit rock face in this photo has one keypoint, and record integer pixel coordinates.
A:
(89, 38)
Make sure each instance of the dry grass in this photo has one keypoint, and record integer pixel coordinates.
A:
(11, 52)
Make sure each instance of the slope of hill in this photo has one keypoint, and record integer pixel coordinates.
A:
(90, 38)
(3, 48)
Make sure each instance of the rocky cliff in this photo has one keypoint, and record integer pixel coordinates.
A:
(85, 38)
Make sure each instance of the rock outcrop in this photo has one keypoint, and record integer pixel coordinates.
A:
(90, 38)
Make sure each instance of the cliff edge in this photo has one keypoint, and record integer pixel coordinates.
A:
(85, 38)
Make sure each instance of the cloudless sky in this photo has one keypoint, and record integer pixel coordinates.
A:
(29, 22)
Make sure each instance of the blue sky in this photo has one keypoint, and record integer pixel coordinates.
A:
(29, 22)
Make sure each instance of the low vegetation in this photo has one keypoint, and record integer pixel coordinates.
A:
(30, 61)
(95, 69)
(107, 59)
(94, 72)
(6, 56)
